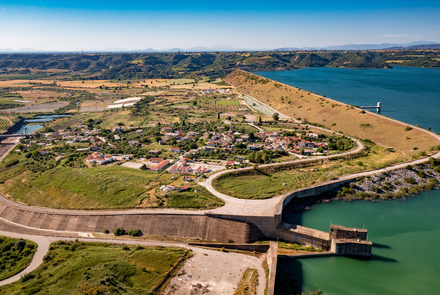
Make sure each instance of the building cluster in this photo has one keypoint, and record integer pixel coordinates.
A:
(100, 159)
(213, 90)
(260, 141)
(186, 166)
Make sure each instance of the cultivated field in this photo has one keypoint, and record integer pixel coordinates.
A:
(39, 108)
(4, 124)
(94, 105)
(306, 106)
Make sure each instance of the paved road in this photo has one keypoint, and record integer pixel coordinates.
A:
(43, 247)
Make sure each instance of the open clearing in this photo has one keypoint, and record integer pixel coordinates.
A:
(102, 187)
(94, 105)
(33, 95)
(98, 268)
(228, 102)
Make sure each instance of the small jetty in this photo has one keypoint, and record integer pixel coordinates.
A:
(378, 107)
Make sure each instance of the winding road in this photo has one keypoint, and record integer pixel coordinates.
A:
(233, 206)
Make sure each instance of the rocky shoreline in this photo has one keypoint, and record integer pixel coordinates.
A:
(396, 184)
(393, 184)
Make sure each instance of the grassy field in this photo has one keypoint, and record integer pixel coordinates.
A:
(306, 106)
(197, 197)
(228, 102)
(97, 268)
(259, 185)
(101, 187)
(16, 255)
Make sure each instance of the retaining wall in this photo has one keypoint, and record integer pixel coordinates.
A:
(193, 226)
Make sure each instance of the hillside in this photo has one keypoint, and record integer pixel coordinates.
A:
(215, 64)
(310, 107)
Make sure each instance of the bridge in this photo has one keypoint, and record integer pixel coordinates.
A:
(378, 107)
(25, 133)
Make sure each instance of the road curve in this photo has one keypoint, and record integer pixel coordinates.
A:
(43, 247)
(43, 242)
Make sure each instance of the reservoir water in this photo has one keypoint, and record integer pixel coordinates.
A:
(406, 233)
(408, 94)
(405, 259)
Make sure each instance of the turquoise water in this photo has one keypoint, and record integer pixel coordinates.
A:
(407, 94)
(406, 260)
(406, 234)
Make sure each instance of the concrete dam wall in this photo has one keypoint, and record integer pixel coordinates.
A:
(193, 226)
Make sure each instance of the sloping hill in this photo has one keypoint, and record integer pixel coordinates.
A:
(334, 115)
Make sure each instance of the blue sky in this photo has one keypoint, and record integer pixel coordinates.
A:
(101, 25)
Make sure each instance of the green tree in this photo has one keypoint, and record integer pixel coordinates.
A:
(275, 117)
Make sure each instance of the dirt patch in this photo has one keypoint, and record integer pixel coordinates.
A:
(94, 105)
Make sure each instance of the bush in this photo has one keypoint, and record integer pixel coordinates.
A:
(119, 231)
(11, 162)
(410, 180)
(408, 128)
(125, 247)
(105, 231)
(135, 232)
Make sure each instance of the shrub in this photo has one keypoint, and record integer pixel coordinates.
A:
(408, 128)
(125, 247)
(105, 231)
(135, 232)
(410, 180)
(119, 231)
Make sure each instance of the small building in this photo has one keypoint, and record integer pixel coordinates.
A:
(154, 152)
(94, 147)
(156, 160)
(174, 149)
(208, 148)
(161, 165)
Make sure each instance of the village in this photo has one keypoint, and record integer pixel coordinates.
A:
(177, 151)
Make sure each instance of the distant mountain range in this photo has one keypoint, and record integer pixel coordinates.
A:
(390, 46)
(222, 48)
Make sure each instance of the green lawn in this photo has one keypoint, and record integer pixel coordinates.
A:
(16, 255)
(259, 185)
(228, 102)
(97, 268)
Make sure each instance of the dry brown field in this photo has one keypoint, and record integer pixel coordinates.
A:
(94, 105)
(33, 95)
(39, 108)
(337, 116)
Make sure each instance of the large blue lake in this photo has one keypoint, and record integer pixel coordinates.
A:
(408, 94)
(406, 259)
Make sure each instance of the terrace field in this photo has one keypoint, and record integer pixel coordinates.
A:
(98, 268)
(309, 107)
